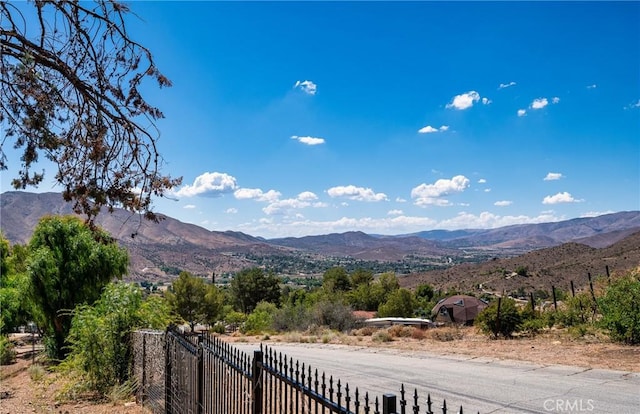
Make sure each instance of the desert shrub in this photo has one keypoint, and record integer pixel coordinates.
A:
(400, 331)
(7, 351)
(445, 333)
(36, 372)
(417, 333)
(401, 303)
(620, 308)
(334, 315)
(260, 320)
(503, 324)
(382, 336)
(365, 331)
(291, 318)
(576, 310)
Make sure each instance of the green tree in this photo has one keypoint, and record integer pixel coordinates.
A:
(620, 308)
(504, 321)
(336, 279)
(194, 300)
(71, 92)
(361, 277)
(69, 265)
(251, 286)
(14, 310)
(401, 303)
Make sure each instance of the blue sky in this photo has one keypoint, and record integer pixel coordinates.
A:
(302, 118)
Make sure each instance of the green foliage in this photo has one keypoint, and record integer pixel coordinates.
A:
(333, 314)
(260, 320)
(100, 334)
(292, 317)
(425, 292)
(251, 286)
(69, 265)
(15, 310)
(504, 323)
(522, 271)
(620, 308)
(577, 310)
(361, 277)
(194, 300)
(401, 303)
(335, 280)
(7, 351)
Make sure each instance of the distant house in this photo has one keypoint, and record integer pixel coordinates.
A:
(385, 322)
(462, 309)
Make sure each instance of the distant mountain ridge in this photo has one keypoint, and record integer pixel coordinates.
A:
(158, 249)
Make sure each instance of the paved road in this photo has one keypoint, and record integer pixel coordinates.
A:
(484, 385)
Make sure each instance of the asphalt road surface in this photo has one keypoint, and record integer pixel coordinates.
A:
(476, 384)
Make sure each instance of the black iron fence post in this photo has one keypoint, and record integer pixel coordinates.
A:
(389, 404)
(256, 382)
(200, 375)
(167, 374)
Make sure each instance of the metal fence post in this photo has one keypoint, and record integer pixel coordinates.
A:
(389, 404)
(256, 382)
(144, 370)
(200, 375)
(167, 373)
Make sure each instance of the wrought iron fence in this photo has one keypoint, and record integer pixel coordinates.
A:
(205, 375)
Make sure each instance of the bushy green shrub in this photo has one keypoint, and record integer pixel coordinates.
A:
(7, 351)
(100, 334)
(292, 318)
(503, 324)
(620, 308)
(260, 320)
(334, 315)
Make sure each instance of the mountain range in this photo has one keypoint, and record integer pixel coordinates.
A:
(158, 250)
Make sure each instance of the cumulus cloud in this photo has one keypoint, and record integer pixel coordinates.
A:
(553, 176)
(282, 207)
(431, 194)
(213, 184)
(539, 103)
(464, 100)
(307, 87)
(559, 198)
(522, 112)
(189, 206)
(482, 181)
(430, 130)
(307, 196)
(256, 194)
(486, 101)
(308, 140)
(555, 100)
(503, 203)
(395, 212)
(506, 85)
(356, 193)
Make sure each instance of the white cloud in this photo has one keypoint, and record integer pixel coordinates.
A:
(256, 194)
(400, 200)
(431, 194)
(307, 87)
(356, 193)
(308, 140)
(482, 181)
(395, 212)
(231, 210)
(189, 206)
(506, 85)
(592, 86)
(522, 112)
(464, 101)
(486, 101)
(503, 203)
(553, 176)
(555, 100)
(213, 184)
(596, 213)
(427, 130)
(539, 103)
(633, 105)
(563, 197)
(307, 196)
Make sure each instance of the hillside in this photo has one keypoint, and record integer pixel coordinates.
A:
(556, 266)
(160, 250)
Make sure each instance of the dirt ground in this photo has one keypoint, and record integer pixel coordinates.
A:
(22, 391)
